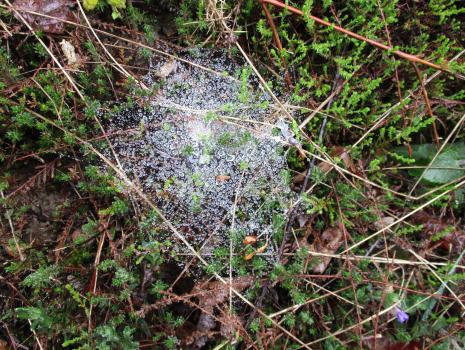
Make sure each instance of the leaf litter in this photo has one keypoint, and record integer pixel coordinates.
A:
(58, 9)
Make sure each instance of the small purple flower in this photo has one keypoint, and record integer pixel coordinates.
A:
(401, 315)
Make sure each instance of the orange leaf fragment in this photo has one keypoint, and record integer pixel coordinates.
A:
(222, 178)
(258, 251)
(262, 248)
(249, 256)
(249, 240)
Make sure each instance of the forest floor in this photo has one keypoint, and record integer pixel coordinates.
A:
(221, 174)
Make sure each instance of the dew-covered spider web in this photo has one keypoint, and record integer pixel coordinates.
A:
(208, 150)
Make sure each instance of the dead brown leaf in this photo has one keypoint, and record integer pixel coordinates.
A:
(211, 294)
(249, 240)
(262, 248)
(384, 343)
(59, 9)
(328, 243)
(342, 153)
(433, 227)
(222, 178)
(166, 69)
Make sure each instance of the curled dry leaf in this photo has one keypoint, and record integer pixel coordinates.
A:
(249, 256)
(328, 243)
(69, 52)
(342, 153)
(383, 222)
(258, 251)
(221, 178)
(58, 9)
(166, 69)
(249, 240)
(440, 232)
(211, 295)
(262, 248)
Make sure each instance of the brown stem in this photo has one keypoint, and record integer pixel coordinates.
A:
(428, 104)
(277, 40)
(411, 58)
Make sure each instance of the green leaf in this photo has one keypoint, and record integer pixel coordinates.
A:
(451, 157)
(440, 172)
(117, 4)
(89, 5)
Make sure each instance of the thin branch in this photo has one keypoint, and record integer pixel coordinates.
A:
(277, 40)
(427, 102)
(8, 217)
(132, 186)
(375, 43)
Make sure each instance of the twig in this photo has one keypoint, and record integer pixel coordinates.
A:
(443, 284)
(311, 166)
(379, 45)
(118, 65)
(70, 79)
(421, 207)
(277, 40)
(292, 214)
(111, 35)
(5, 28)
(132, 186)
(427, 102)
(95, 275)
(319, 108)
(35, 335)
(383, 116)
(396, 71)
(231, 246)
(309, 301)
(52, 56)
(446, 141)
(8, 217)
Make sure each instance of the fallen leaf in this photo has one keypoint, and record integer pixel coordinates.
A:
(211, 294)
(328, 243)
(440, 232)
(383, 222)
(386, 344)
(166, 69)
(344, 155)
(262, 248)
(221, 178)
(68, 51)
(249, 240)
(249, 256)
(325, 167)
(59, 9)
